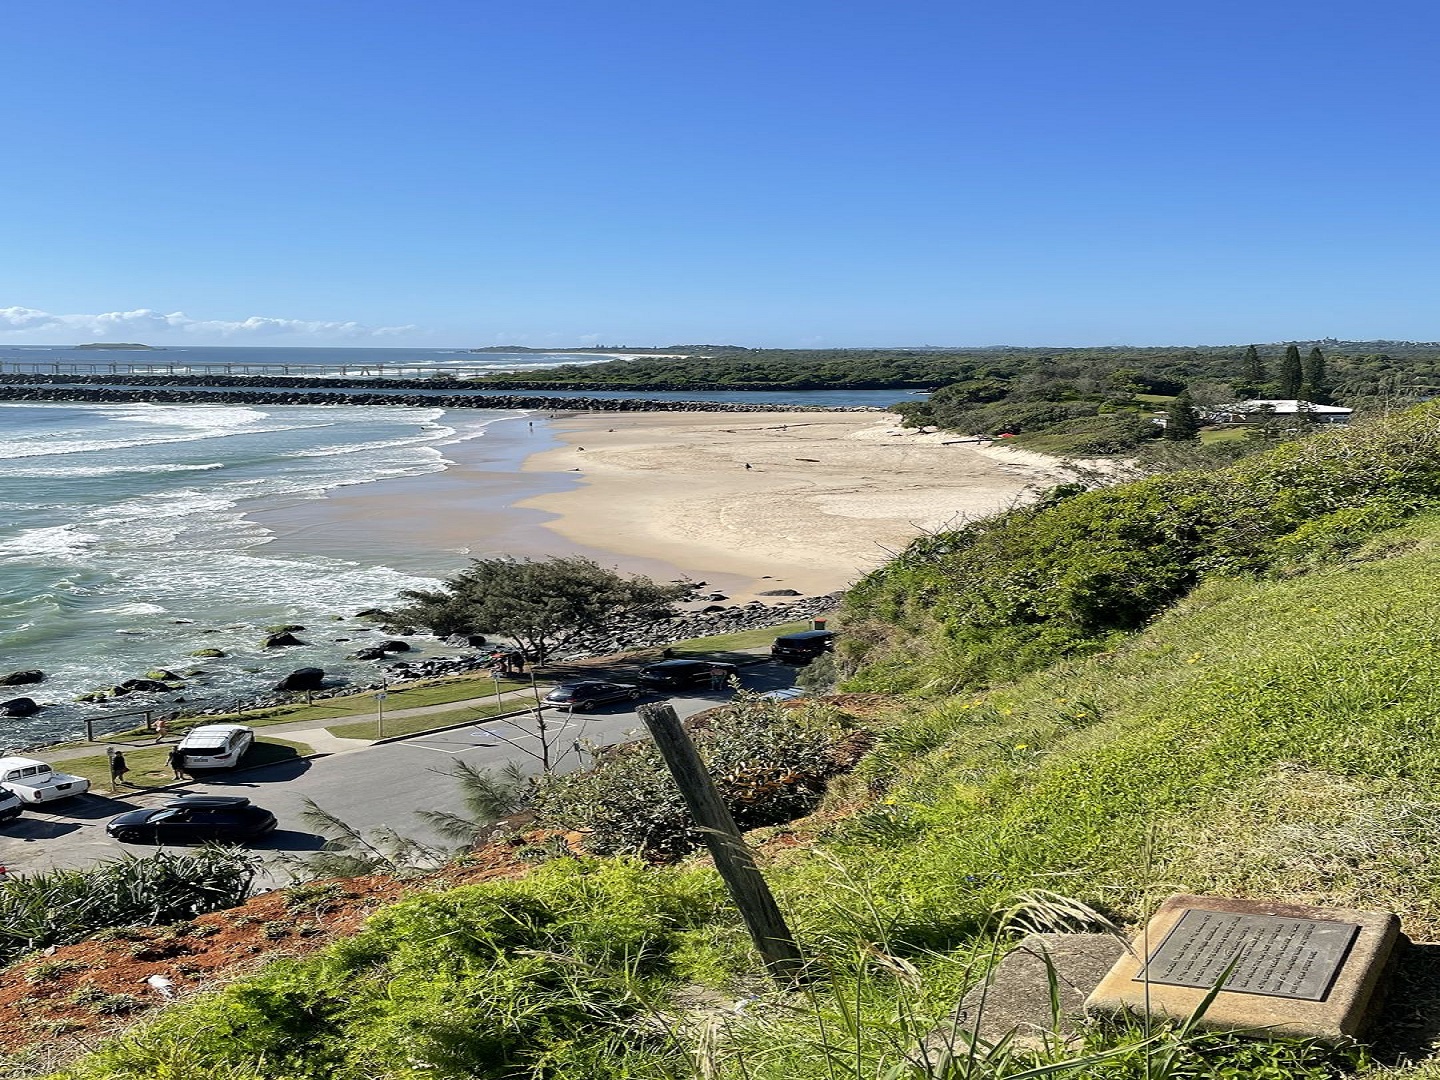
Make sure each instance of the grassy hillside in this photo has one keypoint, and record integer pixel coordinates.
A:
(1259, 719)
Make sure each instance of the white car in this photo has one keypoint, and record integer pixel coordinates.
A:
(215, 746)
(36, 782)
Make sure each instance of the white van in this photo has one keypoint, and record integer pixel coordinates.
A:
(215, 746)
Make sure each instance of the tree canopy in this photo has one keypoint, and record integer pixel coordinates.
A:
(540, 604)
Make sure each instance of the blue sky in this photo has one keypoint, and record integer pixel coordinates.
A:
(787, 173)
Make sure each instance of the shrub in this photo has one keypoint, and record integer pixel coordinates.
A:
(770, 764)
(63, 906)
(1011, 593)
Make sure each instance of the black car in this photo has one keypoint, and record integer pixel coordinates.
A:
(676, 674)
(802, 647)
(194, 819)
(583, 696)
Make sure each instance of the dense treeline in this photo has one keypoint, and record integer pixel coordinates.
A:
(1076, 402)
(1361, 367)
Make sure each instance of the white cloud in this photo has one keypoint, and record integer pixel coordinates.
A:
(143, 323)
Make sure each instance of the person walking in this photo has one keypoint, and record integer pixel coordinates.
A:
(118, 767)
(176, 760)
(162, 729)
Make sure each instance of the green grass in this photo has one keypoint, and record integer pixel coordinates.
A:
(148, 768)
(1222, 435)
(402, 696)
(1266, 738)
(410, 725)
(747, 639)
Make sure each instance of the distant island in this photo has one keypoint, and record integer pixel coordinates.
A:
(118, 345)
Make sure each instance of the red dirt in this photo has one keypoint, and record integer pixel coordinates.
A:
(38, 996)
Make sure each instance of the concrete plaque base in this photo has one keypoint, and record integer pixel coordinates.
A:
(1290, 970)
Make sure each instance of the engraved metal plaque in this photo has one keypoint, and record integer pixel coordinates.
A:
(1277, 956)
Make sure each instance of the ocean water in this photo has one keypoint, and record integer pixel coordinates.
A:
(124, 546)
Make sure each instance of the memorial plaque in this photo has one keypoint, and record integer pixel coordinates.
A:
(1273, 955)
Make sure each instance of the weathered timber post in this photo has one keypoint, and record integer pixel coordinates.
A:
(737, 867)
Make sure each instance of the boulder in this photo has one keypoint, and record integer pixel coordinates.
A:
(778, 592)
(712, 607)
(209, 653)
(162, 675)
(21, 678)
(305, 678)
(369, 654)
(371, 613)
(394, 645)
(474, 641)
(20, 706)
(283, 628)
(144, 686)
(280, 641)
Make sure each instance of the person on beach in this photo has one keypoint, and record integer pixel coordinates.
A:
(176, 760)
(118, 767)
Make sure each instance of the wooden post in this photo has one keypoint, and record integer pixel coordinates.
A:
(737, 867)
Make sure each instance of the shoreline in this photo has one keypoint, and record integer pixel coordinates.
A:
(802, 500)
(827, 497)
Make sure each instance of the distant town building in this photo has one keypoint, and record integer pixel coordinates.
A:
(1262, 409)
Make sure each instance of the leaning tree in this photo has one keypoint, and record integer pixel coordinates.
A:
(542, 605)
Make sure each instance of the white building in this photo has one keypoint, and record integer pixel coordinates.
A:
(1261, 409)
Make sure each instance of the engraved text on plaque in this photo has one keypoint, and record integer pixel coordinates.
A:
(1278, 956)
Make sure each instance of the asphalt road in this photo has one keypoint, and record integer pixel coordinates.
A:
(366, 788)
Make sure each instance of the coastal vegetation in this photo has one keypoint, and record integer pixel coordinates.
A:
(541, 604)
(1212, 682)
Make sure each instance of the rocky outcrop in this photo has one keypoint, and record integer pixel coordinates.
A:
(305, 678)
(144, 686)
(22, 678)
(393, 645)
(162, 675)
(281, 641)
(20, 706)
(209, 653)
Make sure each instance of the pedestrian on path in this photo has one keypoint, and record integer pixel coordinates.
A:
(176, 760)
(162, 729)
(118, 767)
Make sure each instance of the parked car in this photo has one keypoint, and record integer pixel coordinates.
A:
(194, 819)
(10, 805)
(785, 693)
(678, 674)
(215, 746)
(802, 647)
(584, 696)
(36, 782)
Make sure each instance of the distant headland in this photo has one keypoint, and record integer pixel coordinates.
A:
(119, 345)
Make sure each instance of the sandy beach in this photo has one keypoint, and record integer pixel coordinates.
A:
(826, 497)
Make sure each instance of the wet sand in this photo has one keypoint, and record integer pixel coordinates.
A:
(826, 497)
